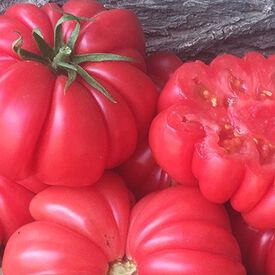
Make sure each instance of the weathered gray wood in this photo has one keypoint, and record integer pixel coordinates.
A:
(202, 28)
(6, 3)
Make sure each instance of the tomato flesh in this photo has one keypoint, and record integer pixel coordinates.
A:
(232, 100)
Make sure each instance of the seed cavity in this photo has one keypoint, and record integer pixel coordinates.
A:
(227, 126)
(205, 94)
(266, 93)
(230, 140)
(266, 150)
(214, 101)
(237, 85)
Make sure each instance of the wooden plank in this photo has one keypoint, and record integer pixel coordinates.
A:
(200, 28)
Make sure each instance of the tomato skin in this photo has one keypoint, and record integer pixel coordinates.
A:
(161, 65)
(70, 139)
(139, 95)
(257, 246)
(174, 263)
(45, 245)
(14, 210)
(73, 217)
(206, 156)
(32, 16)
(25, 112)
(33, 184)
(179, 138)
(263, 211)
(142, 174)
(232, 102)
(61, 142)
(117, 34)
(169, 231)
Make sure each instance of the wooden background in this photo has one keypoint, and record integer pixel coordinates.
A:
(200, 28)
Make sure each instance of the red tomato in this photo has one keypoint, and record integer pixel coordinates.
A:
(217, 128)
(88, 230)
(257, 246)
(33, 184)
(161, 65)
(142, 174)
(69, 139)
(14, 208)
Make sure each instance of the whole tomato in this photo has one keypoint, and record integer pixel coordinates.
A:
(257, 246)
(60, 69)
(216, 128)
(90, 230)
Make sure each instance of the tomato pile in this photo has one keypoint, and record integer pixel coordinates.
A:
(113, 162)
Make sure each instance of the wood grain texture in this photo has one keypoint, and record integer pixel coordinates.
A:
(200, 28)
(204, 28)
(6, 3)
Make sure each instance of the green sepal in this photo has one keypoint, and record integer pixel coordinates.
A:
(74, 35)
(45, 49)
(62, 58)
(100, 57)
(58, 42)
(67, 66)
(94, 83)
(24, 54)
(72, 74)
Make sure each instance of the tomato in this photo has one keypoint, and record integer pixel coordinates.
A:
(177, 231)
(216, 129)
(257, 246)
(76, 230)
(33, 184)
(68, 137)
(161, 65)
(90, 230)
(140, 172)
(14, 207)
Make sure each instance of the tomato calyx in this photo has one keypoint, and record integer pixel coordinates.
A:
(62, 58)
(123, 267)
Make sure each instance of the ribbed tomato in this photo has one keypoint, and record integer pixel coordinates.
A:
(65, 134)
(257, 246)
(217, 129)
(90, 230)
(142, 174)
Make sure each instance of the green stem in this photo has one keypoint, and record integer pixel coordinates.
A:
(62, 58)
(99, 57)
